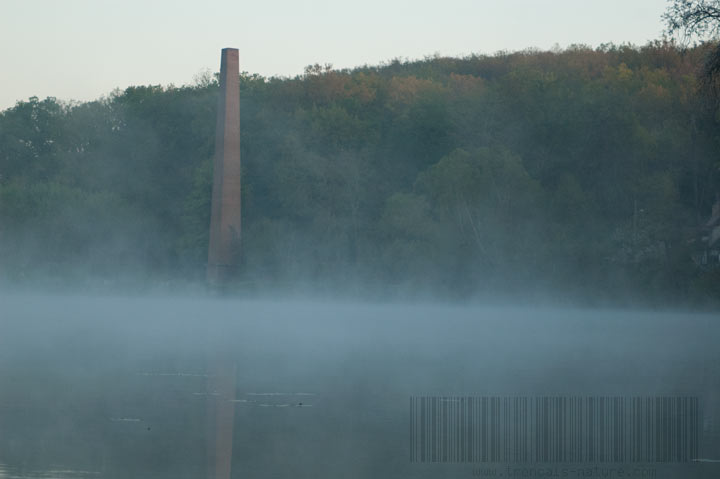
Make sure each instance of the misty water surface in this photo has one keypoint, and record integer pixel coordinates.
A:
(116, 387)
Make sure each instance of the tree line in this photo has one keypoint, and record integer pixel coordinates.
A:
(577, 173)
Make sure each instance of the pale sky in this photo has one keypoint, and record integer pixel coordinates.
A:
(83, 49)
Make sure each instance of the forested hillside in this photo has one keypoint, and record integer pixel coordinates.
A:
(583, 173)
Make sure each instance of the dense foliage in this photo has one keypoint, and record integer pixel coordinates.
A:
(583, 172)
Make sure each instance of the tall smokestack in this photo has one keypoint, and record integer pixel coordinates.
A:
(224, 248)
(223, 259)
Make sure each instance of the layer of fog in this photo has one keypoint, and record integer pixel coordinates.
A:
(119, 384)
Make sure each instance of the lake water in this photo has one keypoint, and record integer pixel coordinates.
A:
(122, 387)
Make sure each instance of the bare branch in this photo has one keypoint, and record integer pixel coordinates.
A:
(693, 19)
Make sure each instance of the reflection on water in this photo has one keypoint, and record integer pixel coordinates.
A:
(121, 389)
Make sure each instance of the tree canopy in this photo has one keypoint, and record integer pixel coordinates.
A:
(583, 172)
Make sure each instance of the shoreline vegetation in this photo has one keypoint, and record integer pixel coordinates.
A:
(585, 175)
